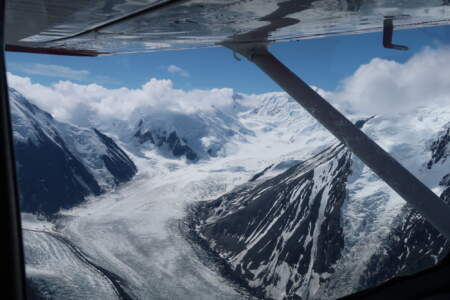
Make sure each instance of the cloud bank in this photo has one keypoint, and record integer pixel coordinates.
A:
(74, 102)
(387, 87)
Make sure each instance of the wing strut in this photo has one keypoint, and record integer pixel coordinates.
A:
(384, 165)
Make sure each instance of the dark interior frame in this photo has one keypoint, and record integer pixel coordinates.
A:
(13, 259)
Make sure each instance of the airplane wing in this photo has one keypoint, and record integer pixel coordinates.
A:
(86, 27)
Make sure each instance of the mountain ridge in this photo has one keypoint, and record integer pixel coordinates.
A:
(58, 164)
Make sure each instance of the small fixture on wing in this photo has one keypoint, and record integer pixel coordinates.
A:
(388, 31)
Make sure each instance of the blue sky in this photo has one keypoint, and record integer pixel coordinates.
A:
(321, 62)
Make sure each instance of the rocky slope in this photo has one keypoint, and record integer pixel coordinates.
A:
(413, 244)
(59, 164)
(281, 236)
(327, 226)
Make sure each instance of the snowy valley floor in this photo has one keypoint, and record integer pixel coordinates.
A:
(134, 234)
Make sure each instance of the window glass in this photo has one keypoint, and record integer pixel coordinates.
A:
(192, 175)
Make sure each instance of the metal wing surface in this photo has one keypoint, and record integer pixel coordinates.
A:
(86, 27)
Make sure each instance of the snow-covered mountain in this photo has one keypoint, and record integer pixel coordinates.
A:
(413, 244)
(216, 132)
(192, 136)
(328, 226)
(283, 235)
(58, 163)
(251, 200)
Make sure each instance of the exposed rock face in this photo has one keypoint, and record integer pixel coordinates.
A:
(439, 148)
(281, 236)
(51, 177)
(59, 164)
(116, 160)
(176, 145)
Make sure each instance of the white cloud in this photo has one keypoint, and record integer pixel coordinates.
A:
(77, 103)
(51, 71)
(387, 87)
(177, 70)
